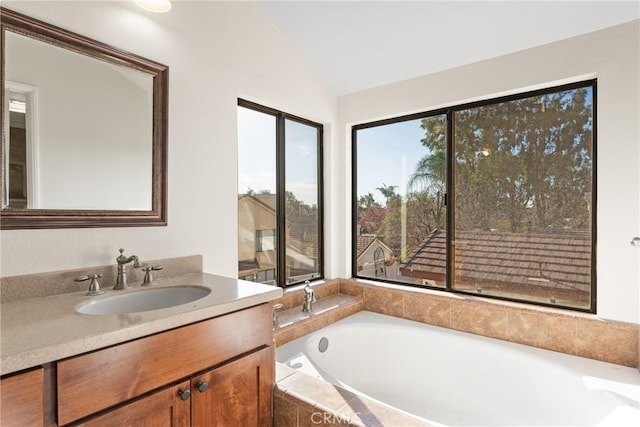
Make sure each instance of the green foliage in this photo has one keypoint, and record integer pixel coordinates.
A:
(520, 165)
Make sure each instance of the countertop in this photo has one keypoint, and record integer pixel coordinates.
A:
(40, 330)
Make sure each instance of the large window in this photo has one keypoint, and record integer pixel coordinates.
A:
(494, 198)
(279, 196)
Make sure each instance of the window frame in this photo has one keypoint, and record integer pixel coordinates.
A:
(449, 112)
(281, 220)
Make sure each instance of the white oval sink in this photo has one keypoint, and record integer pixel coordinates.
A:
(147, 300)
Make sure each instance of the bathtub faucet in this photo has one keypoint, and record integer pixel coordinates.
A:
(309, 298)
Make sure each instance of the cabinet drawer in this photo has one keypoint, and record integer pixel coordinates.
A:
(103, 378)
(23, 399)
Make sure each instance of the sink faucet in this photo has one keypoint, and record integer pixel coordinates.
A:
(309, 298)
(121, 280)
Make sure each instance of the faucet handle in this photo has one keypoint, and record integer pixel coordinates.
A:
(94, 286)
(276, 307)
(148, 278)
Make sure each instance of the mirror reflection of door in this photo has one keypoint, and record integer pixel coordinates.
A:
(21, 191)
(17, 154)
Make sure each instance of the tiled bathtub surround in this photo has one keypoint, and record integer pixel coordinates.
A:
(301, 400)
(553, 329)
(330, 307)
(59, 282)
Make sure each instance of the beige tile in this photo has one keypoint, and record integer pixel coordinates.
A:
(349, 309)
(284, 336)
(330, 287)
(350, 287)
(365, 412)
(427, 309)
(544, 330)
(316, 391)
(479, 318)
(610, 341)
(320, 418)
(285, 413)
(383, 301)
(314, 323)
(290, 299)
(283, 371)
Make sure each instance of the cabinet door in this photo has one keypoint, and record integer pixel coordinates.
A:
(236, 394)
(164, 408)
(23, 399)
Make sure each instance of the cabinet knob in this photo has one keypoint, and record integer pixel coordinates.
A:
(184, 394)
(202, 386)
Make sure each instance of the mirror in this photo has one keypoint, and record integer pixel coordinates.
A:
(84, 130)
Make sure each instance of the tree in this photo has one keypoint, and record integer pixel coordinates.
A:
(389, 192)
(366, 201)
(521, 165)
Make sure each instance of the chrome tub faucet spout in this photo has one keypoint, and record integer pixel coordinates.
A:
(309, 298)
(121, 280)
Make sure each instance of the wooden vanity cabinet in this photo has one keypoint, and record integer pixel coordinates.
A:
(236, 394)
(211, 373)
(163, 408)
(22, 399)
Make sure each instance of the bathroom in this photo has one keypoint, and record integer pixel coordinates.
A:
(220, 52)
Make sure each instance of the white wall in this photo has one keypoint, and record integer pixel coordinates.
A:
(613, 57)
(216, 52)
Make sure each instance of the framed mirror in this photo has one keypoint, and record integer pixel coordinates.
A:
(84, 131)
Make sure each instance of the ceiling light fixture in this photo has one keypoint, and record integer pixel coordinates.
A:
(156, 6)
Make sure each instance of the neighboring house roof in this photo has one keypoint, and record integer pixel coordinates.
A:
(364, 241)
(303, 234)
(538, 259)
(268, 199)
(261, 199)
(295, 255)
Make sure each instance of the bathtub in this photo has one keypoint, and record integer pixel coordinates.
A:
(451, 378)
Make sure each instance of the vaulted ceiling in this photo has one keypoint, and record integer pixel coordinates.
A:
(356, 45)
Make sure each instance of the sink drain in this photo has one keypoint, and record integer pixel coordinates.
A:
(323, 345)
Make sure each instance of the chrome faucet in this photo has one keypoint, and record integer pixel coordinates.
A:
(309, 298)
(121, 280)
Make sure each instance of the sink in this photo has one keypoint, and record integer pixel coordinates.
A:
(147, 300)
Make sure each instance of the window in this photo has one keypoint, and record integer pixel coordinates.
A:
(265, 240)
(266, 275)
(279, 196)
(494, 198)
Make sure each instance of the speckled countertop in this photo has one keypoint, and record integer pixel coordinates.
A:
(40, 330)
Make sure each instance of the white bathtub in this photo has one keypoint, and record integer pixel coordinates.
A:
(457, 379)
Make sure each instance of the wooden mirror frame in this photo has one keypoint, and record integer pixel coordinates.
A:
(77, 218)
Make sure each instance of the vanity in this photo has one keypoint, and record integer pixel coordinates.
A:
(209, 362)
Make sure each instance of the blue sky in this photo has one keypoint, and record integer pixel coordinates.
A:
(257, 155)
(388, 155)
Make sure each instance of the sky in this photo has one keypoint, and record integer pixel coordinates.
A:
(388, 155)
(257, 155)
